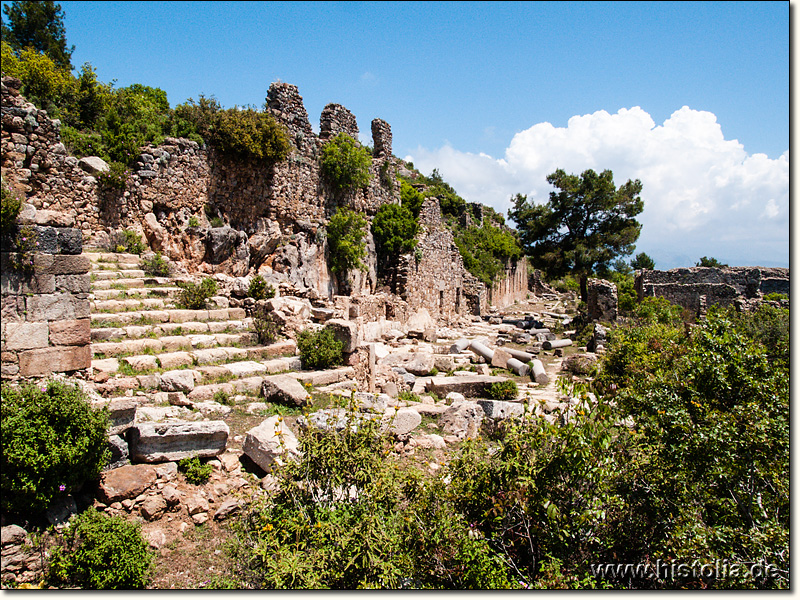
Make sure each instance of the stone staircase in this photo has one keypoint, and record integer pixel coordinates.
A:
(144, 344)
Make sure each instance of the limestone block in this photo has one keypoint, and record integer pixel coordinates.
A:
(181, 380)
(417, 363)
(70, 265)
(402, 421)
(284, 389)
(74, 332)
(93, 165)
(126, 482)
(473, 386)
(580, 364)
(160, 442)
(463, 420)
(76, 284)
(25, 336)
(57, 307)
(500, 358)
(170, 360)
(271, 441)
(153, 507)
(56, 359)
(142, 362)
(119, 452)
(54, 218)
(499, 409)
(345, 332)
(444, 362)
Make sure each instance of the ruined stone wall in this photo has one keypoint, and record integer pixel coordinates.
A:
(438, 281)
(45, 315)
(512, 286)
(697, 288)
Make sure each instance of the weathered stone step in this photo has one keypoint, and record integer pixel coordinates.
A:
(113, 257)
(174, 343)
(101, 275)
(106, 284)
(130, 304)
(100, 334)
(111, 294)
(175, 315)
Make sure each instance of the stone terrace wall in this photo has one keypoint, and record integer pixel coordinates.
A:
(45, 317)
(697, 288)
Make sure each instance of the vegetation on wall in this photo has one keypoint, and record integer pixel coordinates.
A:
(345, 163)
(347, 249)
(394, 230)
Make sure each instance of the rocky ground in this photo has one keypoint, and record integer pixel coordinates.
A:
(157, 366)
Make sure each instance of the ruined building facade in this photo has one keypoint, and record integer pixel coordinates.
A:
(274, 217)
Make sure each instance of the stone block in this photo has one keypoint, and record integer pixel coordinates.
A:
(14, 282)
(119, 452)
(161, 442)
(126, 482)
(75, 332)
(499, 409)
(283, 389)
(346, 332)
(12, 308)
(70, 241)
(177, 381)
(462, 420)
(402, 421)
(500, 358)
(25, 336)
(76, 284)
(56, 359)
(271, 441)
(57, 307)
(48, 239)
(71, 265)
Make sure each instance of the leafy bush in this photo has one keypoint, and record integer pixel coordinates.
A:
(504, 390)
(196, 472)
(411, 198)
(127, 241)
(193, 295)
(356, 521)
(10, 205)
(116, 178)
(44, 83)
(265, 324)
(775, 297)
(394, 230)
(319, 349)
(250, 134)
(259, 289)
(156, 266)
(345, 163)
(81, 143)
(194, 221)
(52, 442)
(100, 552)
(770, 326)
(486, 250)
(346, 232)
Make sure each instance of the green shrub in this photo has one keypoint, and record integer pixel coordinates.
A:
(194, 221)
(52, 442)
(411, 198)
(115, 178)
(504, 390)
(486, 250)
(127, 241)
(216, 222)
(100, 552)
(196, 472)
(81, 143)
(223, 398)
(250, 134)
(394, 230)
(775, 297)
(260, 289)
(357, 521)
(193, 296)
(345, 163)
(156, 266)
(407, 396)
(659, 310)
(346, 232)
(265, 324)
(10, 205)
(319, 349)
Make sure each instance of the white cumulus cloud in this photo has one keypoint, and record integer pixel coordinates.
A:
(704, 195)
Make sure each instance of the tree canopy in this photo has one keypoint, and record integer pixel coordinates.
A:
(643, 261)
(38, 25)
(587, 223)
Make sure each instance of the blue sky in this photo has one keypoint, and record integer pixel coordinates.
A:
(690, 97)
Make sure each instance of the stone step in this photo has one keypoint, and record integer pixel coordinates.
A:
(108, 334)
(174, 315)
(130, 304)
(110, 294)
(105, 284)
(248, 370)
(113, 257)
(103, 275)
(174, 343)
